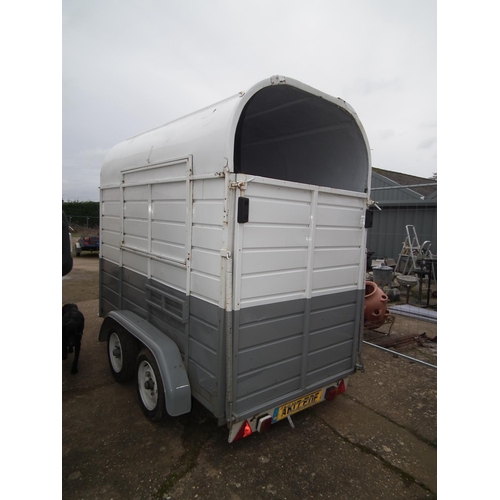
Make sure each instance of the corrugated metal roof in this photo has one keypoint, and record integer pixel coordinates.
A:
(408, 180)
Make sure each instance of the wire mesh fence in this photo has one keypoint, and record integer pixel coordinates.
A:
(82, 221)
(401, 269)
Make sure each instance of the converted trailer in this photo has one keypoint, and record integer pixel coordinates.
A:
(232, 257)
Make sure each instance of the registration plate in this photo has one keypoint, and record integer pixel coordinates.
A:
(297, 405)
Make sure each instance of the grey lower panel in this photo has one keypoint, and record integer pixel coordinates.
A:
(268, 365)
(196, 327)
(269, 341)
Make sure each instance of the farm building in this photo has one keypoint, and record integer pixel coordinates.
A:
(404, 200)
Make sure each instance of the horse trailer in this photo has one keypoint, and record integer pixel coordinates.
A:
(232, 257)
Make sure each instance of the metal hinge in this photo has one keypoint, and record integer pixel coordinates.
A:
(242, 185)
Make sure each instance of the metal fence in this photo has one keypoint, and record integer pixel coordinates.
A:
(83, 221)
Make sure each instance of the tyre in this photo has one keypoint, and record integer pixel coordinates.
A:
(150, 386)
(122, 353)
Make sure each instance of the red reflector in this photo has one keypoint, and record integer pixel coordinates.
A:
(341, 388)
(247, 430)
(331, 392)
(244, 431)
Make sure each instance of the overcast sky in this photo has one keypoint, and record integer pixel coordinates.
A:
(129, 66)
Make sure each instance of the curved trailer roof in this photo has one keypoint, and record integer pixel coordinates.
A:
(279, 128)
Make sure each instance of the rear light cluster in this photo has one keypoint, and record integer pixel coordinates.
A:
(334, 391)
(265, 421)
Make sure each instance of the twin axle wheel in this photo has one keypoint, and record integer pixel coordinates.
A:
(150, 386)
(128, 362)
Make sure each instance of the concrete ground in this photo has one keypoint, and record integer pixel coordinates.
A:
(377, 440)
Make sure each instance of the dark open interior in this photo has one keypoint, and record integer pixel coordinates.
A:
(288, 134)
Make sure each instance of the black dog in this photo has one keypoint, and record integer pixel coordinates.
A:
(73, 323)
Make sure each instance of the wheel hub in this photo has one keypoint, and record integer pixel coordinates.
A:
(117, 352)
(149, 384)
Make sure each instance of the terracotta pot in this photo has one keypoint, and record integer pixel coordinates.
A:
(375, 312)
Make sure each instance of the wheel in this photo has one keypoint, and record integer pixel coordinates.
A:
(122, 352)
(150, 386)
(78, 252)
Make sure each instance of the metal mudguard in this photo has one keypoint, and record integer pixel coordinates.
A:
(167, 356)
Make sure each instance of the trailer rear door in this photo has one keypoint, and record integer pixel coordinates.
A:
(298, 291)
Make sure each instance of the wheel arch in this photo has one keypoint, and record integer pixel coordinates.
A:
(166, 353)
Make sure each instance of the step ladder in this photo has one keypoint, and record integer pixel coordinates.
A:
(412, 252)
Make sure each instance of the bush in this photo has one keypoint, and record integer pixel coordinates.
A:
(82, 213)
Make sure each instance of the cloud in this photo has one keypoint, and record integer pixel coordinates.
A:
(132, 66)
(81, 183)
(371, 86)
(385, 135)
(428, 143)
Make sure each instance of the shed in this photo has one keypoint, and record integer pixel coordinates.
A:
(404, 200)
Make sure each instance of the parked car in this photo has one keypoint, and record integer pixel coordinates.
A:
(89, 243)
(67, 259)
